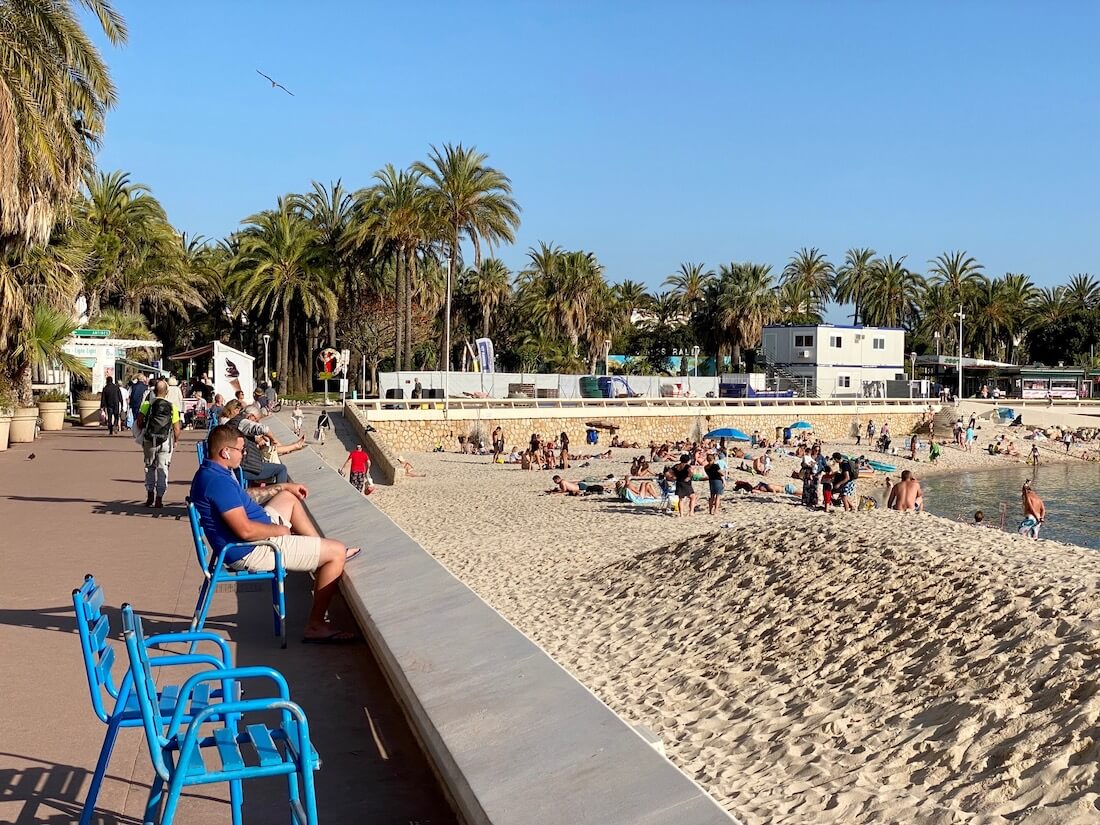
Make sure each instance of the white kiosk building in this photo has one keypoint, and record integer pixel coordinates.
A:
(836, 361)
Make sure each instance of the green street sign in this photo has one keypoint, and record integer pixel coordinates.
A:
(92, 333)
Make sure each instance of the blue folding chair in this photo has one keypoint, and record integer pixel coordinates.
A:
(94, 629)
(200, 448)
(214, 572)
(184, 757)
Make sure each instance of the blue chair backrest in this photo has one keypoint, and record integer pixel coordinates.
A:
(203, 551)
(94, 630)
(200, 448)
(145, 688)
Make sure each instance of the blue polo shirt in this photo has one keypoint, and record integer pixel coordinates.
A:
(214, 491)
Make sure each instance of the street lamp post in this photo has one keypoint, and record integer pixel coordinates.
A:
(960, 316)
(267, 372)
(607, 356)
(695, 359)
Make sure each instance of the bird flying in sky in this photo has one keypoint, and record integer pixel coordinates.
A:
(275, 85)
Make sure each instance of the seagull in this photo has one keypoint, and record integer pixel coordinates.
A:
(275, 85)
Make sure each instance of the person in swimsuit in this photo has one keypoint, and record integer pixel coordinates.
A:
(716, 480)
(685, 490)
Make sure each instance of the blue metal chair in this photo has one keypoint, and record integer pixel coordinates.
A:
(94, 629)
(214, 572)
(200, 448)
(184, 757)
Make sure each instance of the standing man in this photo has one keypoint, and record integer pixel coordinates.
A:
(138, 389)
(110, 401)
(360, 469)
(906, 495)
(844, 481)
(1034, 512)
(158, 421)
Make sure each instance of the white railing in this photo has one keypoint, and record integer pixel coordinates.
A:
(413, 405)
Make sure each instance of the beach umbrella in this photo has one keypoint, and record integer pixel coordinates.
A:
(728, 432)
(801, 425)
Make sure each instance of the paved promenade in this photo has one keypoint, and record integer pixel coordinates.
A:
(75, 508)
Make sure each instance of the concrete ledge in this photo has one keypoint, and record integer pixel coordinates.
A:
(515, 739)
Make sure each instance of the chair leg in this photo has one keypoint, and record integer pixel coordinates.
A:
(100, 771)
(174, 791)
(236, 799)
(206, 598)
(310, 797)
(152, 806)
(279, 605)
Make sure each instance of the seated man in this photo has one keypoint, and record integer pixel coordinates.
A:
(229, 515)
(253, 465)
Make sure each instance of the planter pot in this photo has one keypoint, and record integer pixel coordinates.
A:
(53, 414)
(88, 413)
(21, 430)
(5, 423)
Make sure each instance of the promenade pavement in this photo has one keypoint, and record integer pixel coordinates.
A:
(76, 508)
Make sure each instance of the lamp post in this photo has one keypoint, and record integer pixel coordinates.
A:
(960, 316)
(267, 372)
(695, 359)
(606, 356)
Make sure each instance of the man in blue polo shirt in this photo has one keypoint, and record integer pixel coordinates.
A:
(228, 514)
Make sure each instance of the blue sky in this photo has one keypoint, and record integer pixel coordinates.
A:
(648, 133)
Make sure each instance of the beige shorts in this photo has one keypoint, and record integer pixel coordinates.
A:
(300, 553)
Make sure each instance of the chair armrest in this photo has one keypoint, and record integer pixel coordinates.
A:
(232, 711)
(193, 636)
(187, 659)
(227, 676)
(250, 544)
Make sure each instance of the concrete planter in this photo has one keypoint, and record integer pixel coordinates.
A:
(5, 424)
(21, 429)
(88, 412)
(53, 414)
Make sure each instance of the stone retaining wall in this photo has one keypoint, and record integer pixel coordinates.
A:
(425, 435)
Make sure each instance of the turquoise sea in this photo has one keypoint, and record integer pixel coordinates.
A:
(1070, 491)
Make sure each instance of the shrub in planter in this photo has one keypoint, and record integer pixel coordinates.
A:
(87, 409)
(51, 408)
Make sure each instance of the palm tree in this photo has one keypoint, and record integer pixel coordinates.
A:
(689, 282)
(42, 344)
(1052, 306)
(1083, 292)
(937, 314)
(330, 209)
(281, 267)
(811, 269)
(893, 295)
(960, 273)
(797, 305)
(54, 94)
(470, 199)
(746, 302)
(853, 277)
(632, 296)
(491, 286)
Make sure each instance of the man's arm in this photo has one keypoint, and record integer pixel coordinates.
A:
(247, 530)
(892, 499)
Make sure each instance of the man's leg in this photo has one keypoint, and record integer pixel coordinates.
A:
(150, 457)
(164, 459)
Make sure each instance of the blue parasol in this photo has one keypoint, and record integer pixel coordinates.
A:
(728, 432)
(801, 425)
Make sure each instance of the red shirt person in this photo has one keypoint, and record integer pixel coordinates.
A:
(360, 469)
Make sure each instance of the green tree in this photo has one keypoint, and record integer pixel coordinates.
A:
(853, 278)
(814, 273)
(280, 267)
(689, 283)
(470, 199)
(959, 273)
(491, 287)
(1083, 292)
(746, 302)
(893, 295)
(55, 91)
(40, 345)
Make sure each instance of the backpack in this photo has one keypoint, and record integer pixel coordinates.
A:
(158, 422)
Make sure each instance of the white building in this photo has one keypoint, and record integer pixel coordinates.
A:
(833, 361)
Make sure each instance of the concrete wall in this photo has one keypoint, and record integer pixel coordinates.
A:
(421, 431)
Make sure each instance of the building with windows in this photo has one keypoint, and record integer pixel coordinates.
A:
(834, 361)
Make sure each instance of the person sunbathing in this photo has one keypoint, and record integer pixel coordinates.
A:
(569, 488)
(641, 487)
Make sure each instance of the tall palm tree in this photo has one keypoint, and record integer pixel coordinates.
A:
(894, 293)
(280, 267)
(1052, 306)
(632, 296)
(937, 314)
(330, 209)
(797, 305)
(42, 344)
(746, 301)
(471, 199)
(491, 286)
(853, 277)
(1083, 292)
(689, 282)
(54, 94)
(960, 274)
(811, 269)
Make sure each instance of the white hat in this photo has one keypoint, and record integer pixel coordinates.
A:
(173, 381)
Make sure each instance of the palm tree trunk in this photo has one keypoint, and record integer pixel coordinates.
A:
(452, 262)
(398, 308)
(284, 350)
(410, 271)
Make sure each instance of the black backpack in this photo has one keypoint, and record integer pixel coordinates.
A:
(158, 422)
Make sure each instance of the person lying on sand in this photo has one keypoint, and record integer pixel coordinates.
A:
(569, 488)
(408, 468)
(906, 495)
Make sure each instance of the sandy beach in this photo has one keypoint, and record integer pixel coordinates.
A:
(804, 667)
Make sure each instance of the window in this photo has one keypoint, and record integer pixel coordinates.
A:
(835, 341)
(879, 343)
(844, 381)
(803, 340)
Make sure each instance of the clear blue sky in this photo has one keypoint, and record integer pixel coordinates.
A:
(648, 133)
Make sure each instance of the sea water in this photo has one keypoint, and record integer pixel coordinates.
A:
(1070, 491)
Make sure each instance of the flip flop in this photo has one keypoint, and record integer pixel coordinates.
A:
(336, 637)
(354, 551)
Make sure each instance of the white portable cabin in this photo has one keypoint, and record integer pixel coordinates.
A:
(228, 369)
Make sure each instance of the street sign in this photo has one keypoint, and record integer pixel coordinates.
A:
(92, 333)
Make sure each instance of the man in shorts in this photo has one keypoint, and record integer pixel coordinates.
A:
(360, 468)
(229, 515)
